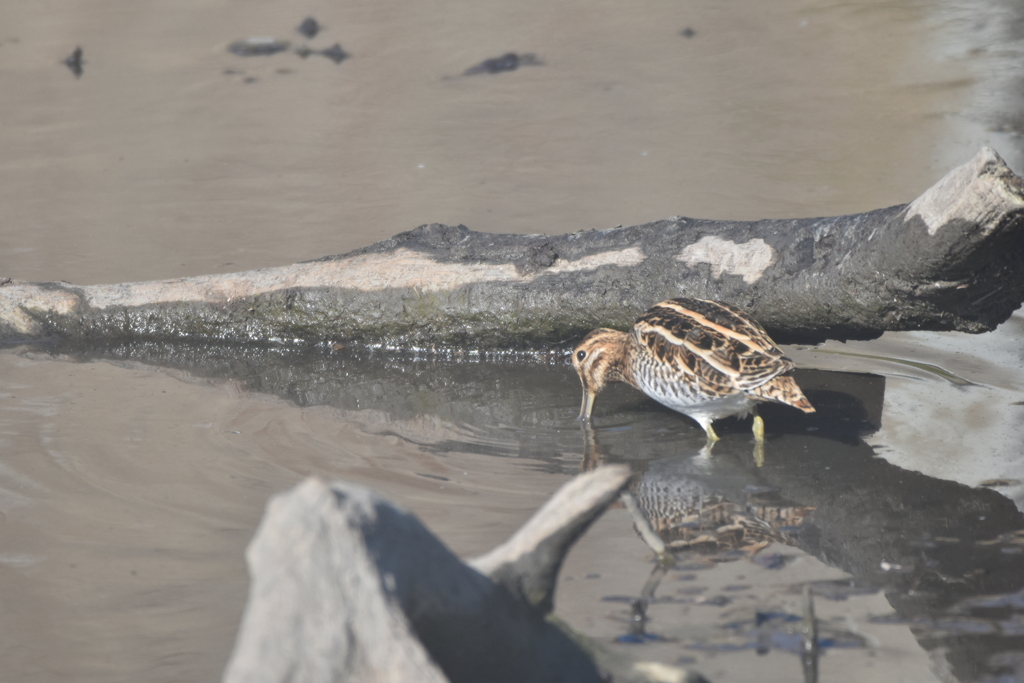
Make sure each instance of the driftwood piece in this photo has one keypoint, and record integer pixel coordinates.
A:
(347, 587)
(953, 259)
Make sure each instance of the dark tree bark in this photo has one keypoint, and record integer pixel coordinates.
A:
(953, 259)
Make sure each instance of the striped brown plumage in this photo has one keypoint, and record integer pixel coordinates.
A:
(702, 358)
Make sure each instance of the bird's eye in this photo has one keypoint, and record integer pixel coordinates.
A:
(581, 354)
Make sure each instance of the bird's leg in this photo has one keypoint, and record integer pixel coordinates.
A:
(758, 430)
(759, 453)
(712, 437)
(758, 426)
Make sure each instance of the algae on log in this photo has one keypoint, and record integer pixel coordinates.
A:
(953, 259)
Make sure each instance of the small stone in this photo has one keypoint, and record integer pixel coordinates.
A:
(335, 53)
(74, 62)
(257, 46)
(309, 27)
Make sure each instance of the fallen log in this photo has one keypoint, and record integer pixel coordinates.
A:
(953, 259)
(347, 587)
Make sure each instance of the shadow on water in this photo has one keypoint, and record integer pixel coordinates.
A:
(949, 558)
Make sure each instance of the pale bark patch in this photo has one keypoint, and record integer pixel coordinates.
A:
(402, 268)
(748, 260)
(974, 192)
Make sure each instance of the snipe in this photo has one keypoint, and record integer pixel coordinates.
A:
(702, 358)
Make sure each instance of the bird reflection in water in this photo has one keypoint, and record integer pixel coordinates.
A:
(678, 515)
(686, 514)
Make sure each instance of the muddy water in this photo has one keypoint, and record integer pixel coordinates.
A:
(132, 477)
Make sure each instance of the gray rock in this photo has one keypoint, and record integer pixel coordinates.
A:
(348, 587)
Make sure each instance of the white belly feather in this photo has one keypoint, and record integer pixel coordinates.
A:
(702, 409)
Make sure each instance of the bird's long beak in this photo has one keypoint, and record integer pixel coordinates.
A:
(588, 403)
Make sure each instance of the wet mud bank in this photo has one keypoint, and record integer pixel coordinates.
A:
(950, 260)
